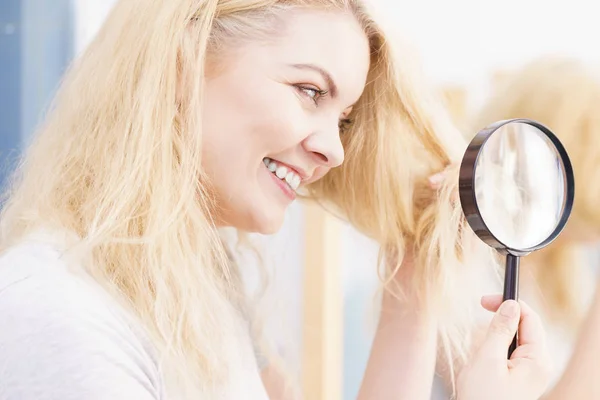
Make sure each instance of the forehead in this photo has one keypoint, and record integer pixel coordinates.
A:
(333, 40)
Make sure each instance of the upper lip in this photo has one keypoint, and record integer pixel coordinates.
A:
(299, 171)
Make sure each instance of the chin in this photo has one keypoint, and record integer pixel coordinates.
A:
(269, 227)
(267, 222)
(254, 217)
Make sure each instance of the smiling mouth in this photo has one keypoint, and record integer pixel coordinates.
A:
(284, 173)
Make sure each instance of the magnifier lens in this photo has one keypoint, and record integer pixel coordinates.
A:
(520, 183)
(516, 189)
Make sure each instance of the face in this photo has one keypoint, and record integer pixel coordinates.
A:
(274, 114)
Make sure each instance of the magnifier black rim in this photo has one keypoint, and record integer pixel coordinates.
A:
(467, 183)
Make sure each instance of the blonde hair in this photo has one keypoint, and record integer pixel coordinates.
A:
(563, 94)
(118, 163)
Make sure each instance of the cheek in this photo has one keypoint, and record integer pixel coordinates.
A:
(279, 122)
(278, 134)
(245, 120)
(319, 173)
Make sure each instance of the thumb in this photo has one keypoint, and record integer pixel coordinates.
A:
(502, 330)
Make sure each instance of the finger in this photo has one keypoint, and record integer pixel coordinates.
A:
(501, 331)
(531, 329)
(529, 352)
(436, 180)
(535, 366)
(491, 302)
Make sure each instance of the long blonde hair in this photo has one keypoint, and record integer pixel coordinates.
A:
(562, 93)
(118, 162)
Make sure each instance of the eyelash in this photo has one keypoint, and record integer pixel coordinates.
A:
(343, 124)
(318, 93)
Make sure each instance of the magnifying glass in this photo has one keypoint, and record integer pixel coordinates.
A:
(516, 189)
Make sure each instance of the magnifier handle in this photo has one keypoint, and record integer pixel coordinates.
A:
(511, 289)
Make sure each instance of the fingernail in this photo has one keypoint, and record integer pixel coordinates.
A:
(509, 308)
(436, 178)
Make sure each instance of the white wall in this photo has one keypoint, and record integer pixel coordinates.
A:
(461, 38)
(462, 41)
(89, 16)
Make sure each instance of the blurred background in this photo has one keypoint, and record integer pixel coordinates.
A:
(466, 47)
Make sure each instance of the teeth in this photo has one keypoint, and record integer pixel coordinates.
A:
(281, 172)
(295, 182)
(290, 177)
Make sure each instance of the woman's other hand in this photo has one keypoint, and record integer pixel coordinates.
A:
(490, 375)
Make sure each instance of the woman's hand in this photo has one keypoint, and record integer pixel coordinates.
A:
(436, 180)
(490, 375)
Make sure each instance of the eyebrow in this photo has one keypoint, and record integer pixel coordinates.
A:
(326, 76)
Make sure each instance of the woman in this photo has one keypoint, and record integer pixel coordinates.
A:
(563, 94)
(186, 116)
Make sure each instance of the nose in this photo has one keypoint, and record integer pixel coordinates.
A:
(325, 147)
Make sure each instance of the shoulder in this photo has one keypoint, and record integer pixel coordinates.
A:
(61, 338)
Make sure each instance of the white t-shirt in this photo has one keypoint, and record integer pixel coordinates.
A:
(62, 337)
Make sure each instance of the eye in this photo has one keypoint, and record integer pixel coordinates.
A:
(344, 124)
(312, 93)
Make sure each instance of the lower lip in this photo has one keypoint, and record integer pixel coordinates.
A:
(287, 191)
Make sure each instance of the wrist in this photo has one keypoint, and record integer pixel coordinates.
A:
(407, 311)
(402, 300)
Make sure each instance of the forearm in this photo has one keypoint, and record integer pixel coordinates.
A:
(581, 379)
(403, 356)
